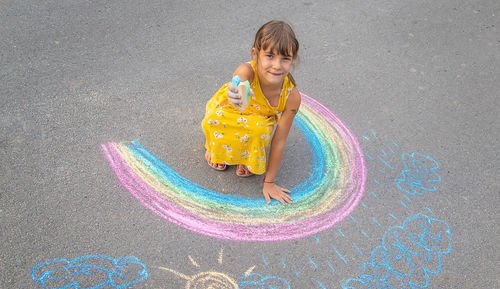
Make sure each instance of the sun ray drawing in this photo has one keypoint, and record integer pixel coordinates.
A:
(208, 279)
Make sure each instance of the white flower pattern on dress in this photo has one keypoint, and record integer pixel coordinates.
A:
(218, 135)
(227, 148)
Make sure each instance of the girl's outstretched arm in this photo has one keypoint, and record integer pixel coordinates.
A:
(245, 72)
(270, 189)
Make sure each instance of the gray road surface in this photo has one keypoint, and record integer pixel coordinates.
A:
(404, 76)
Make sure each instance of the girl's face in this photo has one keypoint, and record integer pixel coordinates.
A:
(271, 67)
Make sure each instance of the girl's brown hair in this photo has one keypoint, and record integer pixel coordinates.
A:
(278, 36)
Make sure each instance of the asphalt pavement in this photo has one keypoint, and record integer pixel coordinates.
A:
(414, 84)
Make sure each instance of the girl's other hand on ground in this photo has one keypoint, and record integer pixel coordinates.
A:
(271, 190)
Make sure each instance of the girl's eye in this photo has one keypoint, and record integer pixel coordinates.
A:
(269, 55)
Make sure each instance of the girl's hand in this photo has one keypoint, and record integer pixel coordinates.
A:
(232, 95)
(270, 190)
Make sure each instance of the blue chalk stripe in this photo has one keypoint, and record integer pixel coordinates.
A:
(265, 261)
(385, 163)
(376, 222)
(320, 284)
(358, 249)
(312, 262)
(340, 255)
(331, 266)
(283, 262)
(366, 235)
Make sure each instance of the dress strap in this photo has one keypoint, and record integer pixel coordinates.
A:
(285, 92)
(252, 63)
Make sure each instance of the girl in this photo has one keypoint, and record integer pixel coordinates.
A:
(240, 135)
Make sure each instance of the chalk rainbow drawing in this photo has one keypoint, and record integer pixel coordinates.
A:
(330, 193)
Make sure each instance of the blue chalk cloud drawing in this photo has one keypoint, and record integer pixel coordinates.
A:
(408, 254)
(90, 272)
(419, 174)
(257, 281)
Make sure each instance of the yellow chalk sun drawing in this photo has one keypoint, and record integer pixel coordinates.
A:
(208, 279)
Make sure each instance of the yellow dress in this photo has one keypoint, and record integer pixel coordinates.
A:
(236, 137)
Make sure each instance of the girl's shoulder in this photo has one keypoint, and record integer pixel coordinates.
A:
(245, 71)
(294, 98)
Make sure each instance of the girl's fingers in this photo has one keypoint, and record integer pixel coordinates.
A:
(233, 97)
(280, 194)
(287, 198)
(285, 190)
(268, 199)
(284, 198)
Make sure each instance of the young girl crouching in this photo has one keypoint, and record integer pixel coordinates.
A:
(239, 135)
